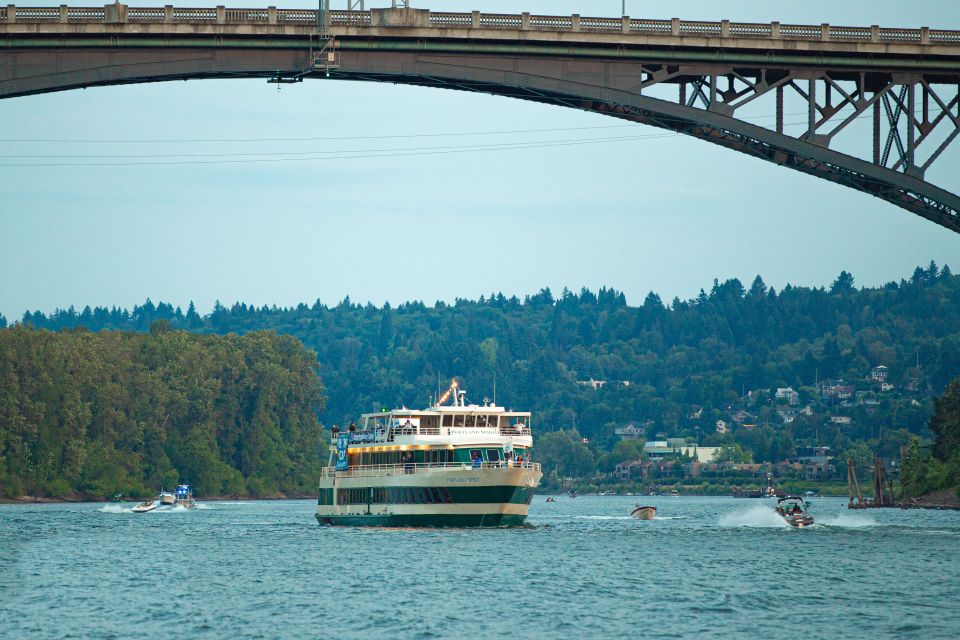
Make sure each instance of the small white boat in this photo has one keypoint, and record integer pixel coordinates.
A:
(166, 498)
(644, 513)
(143, 507)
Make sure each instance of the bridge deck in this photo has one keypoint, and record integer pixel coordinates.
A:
(76, 22)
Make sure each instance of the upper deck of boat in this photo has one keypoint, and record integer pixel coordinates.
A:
(445, 426)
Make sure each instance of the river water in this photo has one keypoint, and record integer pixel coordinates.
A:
(707, 567)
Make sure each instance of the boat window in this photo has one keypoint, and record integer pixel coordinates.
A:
(493, 455)
(458, 420)
(448, 421)
(481, 421)
(469, 421)
(476, 453)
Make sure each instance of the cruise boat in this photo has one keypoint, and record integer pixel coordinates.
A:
(451, 465)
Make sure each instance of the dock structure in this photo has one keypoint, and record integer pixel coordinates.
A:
(882, 488)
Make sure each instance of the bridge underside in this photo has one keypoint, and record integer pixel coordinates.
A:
(603, 83)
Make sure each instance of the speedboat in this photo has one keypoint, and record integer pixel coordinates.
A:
(166, 498)
(793, 509)
(550, 499)
(185, 497)
(143, 507)
(644, 513)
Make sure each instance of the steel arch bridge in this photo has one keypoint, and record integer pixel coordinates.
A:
(696, 78)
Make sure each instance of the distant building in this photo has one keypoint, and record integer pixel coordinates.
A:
(722, 427)
(788, 394)
(788, 415)
(741, 417)
(886, 386)
(843, 421)
(695, 412)
(879, 373)
(632, 431)
(632, 469)
(837, 390)
(673, 447)
(595, 384)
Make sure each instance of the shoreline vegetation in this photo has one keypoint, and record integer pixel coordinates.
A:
(106, 401)
(92, 415)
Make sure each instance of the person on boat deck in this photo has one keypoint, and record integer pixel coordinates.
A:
(408, 426)
(408, 462)
(335, 430)
(477, 461)
(353, 427)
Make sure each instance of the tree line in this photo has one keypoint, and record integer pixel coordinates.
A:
(94, 414)
(658, 360)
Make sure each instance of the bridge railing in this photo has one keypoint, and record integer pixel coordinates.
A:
(168, 14)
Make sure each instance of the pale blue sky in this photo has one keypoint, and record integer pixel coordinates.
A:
(666, 214)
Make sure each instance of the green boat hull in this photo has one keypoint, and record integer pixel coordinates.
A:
(424, 520)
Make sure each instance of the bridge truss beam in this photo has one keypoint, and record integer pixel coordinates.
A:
(888, 163)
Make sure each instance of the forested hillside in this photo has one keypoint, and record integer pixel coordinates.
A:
(661, 362)
(92, 414)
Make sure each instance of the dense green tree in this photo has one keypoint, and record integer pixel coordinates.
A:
(93, 414)
(945, 423)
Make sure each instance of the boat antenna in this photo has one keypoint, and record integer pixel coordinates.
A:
(494, 387)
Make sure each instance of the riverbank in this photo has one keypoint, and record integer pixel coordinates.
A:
(943, 499)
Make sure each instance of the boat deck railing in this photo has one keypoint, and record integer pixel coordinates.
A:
(379, 470)
(388, 435)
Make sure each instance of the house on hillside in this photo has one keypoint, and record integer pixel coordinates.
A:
(879, 373)
(841, 421)
(722, 427)
(788, 394)
(632, 431)
(788, 415)
(836, 390)
(594, 384)
(632, 469)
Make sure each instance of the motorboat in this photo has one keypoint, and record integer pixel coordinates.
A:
(185, 497)
(551, 499)
(644, 513)
(793, 509)
(166, 498)
(144, 507)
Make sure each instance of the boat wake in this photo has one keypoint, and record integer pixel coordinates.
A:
(115, 508)
(603, 517)
(758, 516)
(670, 517)
(848, 521)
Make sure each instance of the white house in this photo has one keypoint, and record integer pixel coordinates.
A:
(631, 431)
(722, 427)
(788, 394)
(879, 373)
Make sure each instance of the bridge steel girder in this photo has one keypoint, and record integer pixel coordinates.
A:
(906, 191)
(608, 81)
